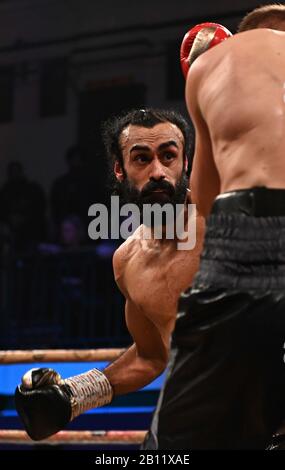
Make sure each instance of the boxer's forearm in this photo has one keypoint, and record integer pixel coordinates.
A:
(131, 371)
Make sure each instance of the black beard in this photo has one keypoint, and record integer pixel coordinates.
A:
(169, 194)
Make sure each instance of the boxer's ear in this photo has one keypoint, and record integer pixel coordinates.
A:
(118, 170)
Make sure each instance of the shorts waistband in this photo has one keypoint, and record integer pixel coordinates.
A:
(243, 251)
(258, 201)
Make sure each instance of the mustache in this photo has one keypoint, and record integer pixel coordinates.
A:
(162, 185)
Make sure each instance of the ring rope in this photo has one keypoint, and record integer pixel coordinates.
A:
(17, 436)
(59, 355)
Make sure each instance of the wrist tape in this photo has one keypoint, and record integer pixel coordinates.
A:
(89, 390)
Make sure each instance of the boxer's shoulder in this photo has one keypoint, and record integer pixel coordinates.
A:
(120, 260)
(124, 254)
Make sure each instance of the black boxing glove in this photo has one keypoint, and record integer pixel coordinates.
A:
(43, 403)
(46, 403)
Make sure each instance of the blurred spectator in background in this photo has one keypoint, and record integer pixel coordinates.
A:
(73, 192)
(66, 189)
(22, 208)
(71, 236)
(72, 232)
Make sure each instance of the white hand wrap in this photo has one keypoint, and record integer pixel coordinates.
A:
(89, 390)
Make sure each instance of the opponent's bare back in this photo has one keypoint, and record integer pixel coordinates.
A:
(235, 94)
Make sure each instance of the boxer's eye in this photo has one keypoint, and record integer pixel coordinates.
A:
(141, 158)
(168, 156)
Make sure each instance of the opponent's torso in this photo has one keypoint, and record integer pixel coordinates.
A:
(242, 99)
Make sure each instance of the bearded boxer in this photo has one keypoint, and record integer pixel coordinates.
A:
(226, 387)
(149, 152)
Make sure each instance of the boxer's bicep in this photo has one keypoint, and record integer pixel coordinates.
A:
(144, 360)
(146, 335)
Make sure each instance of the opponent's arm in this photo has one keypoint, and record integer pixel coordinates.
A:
(205, 180)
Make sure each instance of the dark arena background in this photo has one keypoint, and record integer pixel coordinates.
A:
(65, 67)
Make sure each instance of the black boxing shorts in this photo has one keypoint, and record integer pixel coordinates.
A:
(225, 387)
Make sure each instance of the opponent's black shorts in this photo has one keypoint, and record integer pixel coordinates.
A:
(225, 387)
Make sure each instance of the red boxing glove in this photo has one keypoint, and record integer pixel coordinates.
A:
(198, 40)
